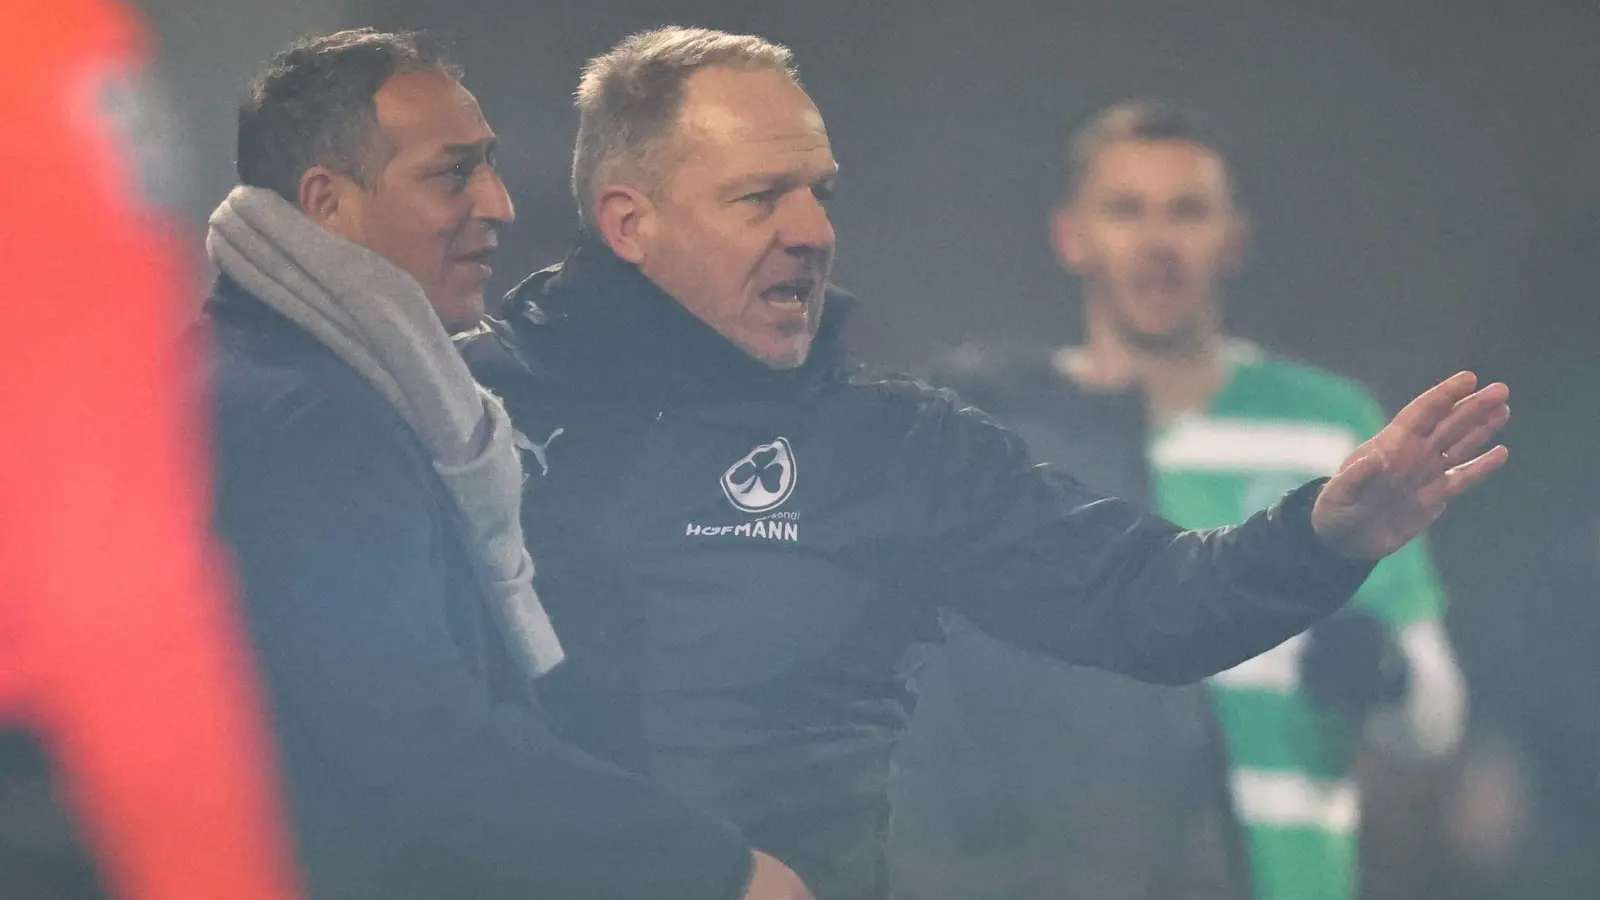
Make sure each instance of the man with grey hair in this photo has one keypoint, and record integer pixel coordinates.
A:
(368, 490)
(738, 632)
(629, 98)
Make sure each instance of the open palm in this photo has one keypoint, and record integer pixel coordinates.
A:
(1395, 485)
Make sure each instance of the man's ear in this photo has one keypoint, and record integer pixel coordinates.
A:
(626, 220)
(326, 198)
(1066, 237)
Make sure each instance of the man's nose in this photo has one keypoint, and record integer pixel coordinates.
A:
(805, 223)
(491, 200)
(1159, 234)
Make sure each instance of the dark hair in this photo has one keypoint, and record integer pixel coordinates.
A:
(314, 106)
(1142, 120)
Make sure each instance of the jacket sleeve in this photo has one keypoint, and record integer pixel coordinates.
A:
(1034, 558)
(332, 530)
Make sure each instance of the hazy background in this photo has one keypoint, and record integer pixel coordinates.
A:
(1424, 180)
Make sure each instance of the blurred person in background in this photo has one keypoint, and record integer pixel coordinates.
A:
(741, 534)
(134, 759)
(1025, 777)
(369, 490)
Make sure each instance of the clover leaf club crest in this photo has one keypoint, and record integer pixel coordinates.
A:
(763, 479)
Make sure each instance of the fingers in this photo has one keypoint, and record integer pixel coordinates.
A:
(1463, 446)
(1468, 416)
(1464, 477)
(1422, 415)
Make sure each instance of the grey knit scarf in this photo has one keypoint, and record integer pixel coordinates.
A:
(377, 319)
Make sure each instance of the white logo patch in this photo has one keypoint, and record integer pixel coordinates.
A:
(524, 443)
(763, 479)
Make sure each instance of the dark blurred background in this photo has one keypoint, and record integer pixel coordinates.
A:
(1424, 180)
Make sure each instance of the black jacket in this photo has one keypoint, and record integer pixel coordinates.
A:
(414, 766)
(739, 559)
(1023, 776)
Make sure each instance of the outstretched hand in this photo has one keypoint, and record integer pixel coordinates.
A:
(1396, 484)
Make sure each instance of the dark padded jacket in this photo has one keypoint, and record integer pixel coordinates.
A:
(415, 764)
(739, 559)
(1023, 776)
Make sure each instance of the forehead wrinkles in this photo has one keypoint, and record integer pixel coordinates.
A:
(695, 163)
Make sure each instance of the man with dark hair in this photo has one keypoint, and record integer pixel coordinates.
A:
(314, 106)
(1077, 783)
(369, 490)
(741, 536)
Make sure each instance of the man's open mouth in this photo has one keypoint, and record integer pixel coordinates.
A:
(795, 291)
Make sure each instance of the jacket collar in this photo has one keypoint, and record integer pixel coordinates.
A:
(596, 321)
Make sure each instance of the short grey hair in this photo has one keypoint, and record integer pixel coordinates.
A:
(628, 99)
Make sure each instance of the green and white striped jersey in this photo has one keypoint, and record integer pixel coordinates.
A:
(1274, 425)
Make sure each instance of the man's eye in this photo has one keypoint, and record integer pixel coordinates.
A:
(769, 197)
(823, 193)
(1122, 209)
(1191, 210)
(460, 173)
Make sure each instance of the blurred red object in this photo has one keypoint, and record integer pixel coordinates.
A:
(118, 650)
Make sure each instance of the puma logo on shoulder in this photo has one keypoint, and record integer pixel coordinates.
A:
(523, 442)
